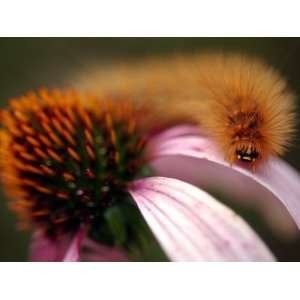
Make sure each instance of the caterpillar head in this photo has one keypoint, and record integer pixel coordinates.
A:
(247, 144)
(248, 154)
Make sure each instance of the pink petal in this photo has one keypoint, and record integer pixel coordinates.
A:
(192, 226)
(177, 131)
(73, 252)
(92, 251)
(46, 249)
(275, 176)
(242, 189)
(79, 248)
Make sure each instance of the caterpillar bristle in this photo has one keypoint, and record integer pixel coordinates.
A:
(244, 104)
(247, 107)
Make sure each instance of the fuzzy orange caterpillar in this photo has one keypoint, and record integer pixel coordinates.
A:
(244, 104)
(247, 107)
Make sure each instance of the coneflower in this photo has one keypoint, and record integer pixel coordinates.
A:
(76, 169)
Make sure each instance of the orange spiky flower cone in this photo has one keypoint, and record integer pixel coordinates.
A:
(60, 153)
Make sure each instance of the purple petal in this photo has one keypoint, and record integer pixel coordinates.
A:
(92, 251)
(73, 252)
(192, 226)
(242, 189)
(61, 248)
(80, 248)
(275, 176)
(47, 249)
(177, 131)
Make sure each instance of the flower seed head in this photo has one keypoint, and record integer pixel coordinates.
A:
(66, 157)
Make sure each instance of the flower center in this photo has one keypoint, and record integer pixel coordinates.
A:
(67, 158)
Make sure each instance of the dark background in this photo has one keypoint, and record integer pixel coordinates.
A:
(28, 63)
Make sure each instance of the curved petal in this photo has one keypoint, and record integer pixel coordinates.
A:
(238, 188)
(275, 175)
(177, 131)
(80, 248)
(73, 252)
(84, 249)
(92, 251)
(46, 249)
(192, 226)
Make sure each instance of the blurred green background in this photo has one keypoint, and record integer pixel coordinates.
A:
(28, 63)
